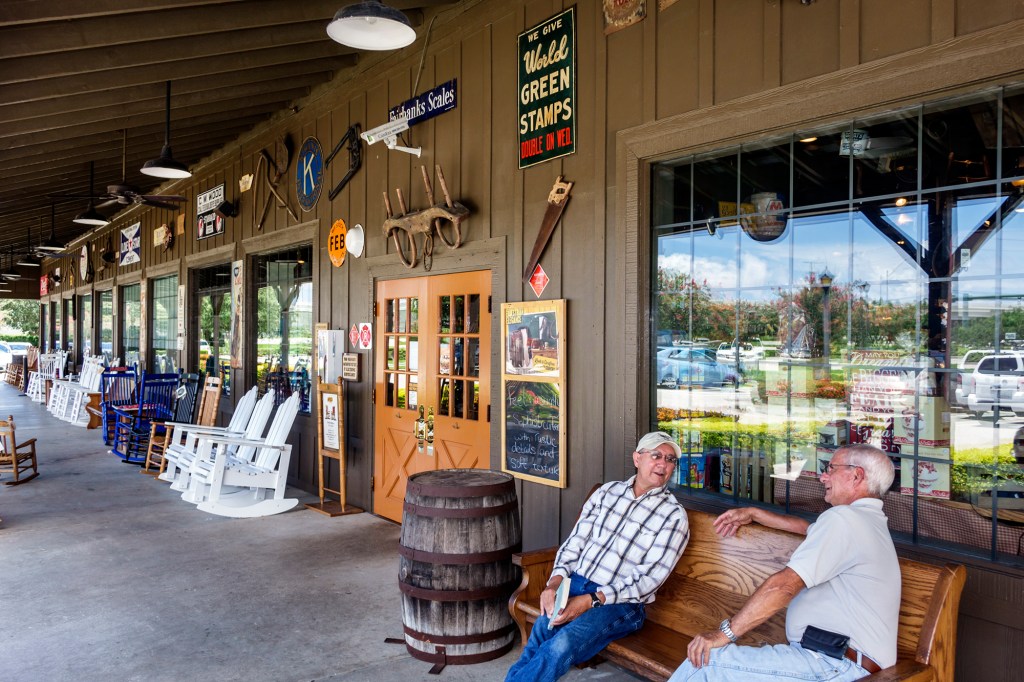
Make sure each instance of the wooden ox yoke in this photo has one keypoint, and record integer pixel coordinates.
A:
(403, 228)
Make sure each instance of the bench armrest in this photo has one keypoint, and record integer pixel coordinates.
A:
(524, 604)
(242, 442)
(914, 671)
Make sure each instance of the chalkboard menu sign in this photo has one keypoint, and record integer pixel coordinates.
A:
(533, 389)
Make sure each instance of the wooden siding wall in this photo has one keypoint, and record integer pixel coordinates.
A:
(694, 55)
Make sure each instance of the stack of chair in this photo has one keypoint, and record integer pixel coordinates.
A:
(160, 433)
(16, 458)
(245, 478)
(48, 368)
(155, 401)
(14, 373)
(68, 398)
(248, 420)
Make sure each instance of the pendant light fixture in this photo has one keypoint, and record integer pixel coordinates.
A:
(51, 245)
(165, 166)
(91, 216)
(371, 25)
(10, 275)
(30, 259)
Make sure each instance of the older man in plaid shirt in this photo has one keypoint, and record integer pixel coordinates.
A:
(628, 538)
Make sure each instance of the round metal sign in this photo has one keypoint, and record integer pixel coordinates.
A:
(309, 173)
(337, 243)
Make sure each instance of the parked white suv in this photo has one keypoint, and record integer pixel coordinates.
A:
(964, 369)
(997, 383)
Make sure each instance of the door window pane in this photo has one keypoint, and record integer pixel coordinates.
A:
(107, 325)
(164, 324)
(211, 318)
(284, 323)
(86, 325)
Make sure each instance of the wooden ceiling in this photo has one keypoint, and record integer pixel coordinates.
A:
(79, 76)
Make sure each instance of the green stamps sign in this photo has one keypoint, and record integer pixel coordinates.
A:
(547, 89)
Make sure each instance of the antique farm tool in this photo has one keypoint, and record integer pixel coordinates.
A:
(403, 228)
(558, 197)
(355, 157)
(276, 167)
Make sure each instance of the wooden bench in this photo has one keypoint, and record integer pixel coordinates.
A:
(716, 575)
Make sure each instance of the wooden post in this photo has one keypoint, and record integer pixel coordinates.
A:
(336, 407)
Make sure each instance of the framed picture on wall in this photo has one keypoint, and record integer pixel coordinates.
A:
(533, 406)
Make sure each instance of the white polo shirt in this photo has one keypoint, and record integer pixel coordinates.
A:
(849, 565)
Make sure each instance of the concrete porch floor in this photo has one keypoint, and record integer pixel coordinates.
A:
(106, 574)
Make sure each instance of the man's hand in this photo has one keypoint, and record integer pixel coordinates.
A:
(699, 651)
(574, 608)
(729, 522)
(547, 597)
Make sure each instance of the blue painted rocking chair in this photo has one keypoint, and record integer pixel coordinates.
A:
(155, 402)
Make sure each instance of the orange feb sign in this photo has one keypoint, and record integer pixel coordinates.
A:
(336, 243)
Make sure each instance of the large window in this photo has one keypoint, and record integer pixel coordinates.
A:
(69, 331)
(212, 317)
(85, 322)
(56, 337)
(131, 323)
(106, 299)
(164, 324)
(284, 322)
(858, 283)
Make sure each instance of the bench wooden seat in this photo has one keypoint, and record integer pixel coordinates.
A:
(716, 576)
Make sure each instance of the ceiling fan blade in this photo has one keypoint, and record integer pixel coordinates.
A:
(152, 201)
(108, 203)
(164, 197)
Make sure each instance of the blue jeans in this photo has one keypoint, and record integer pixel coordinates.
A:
(778, 662)
(550, 653)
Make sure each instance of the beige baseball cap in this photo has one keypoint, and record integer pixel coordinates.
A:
(655, 438)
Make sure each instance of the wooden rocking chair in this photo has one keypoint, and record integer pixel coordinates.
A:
(15, 457)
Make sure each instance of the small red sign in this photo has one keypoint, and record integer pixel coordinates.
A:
(539, 281)
(353, 336)
(365, 336)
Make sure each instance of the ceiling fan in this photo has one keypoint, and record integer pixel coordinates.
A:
(124, 195)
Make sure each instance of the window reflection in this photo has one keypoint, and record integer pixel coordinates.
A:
(886, 307)
(164, 324)
(284, 324)
(212, 348)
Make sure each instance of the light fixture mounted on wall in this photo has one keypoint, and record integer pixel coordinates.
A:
(165, 166)
(371, 25)
(227, 209)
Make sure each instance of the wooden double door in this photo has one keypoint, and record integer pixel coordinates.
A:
(432, 380)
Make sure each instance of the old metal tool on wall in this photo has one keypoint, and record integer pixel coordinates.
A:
(276, 168)
(403, 228)
(355, 157)
(558, 197)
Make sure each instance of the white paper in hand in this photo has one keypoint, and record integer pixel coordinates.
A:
(561, 599)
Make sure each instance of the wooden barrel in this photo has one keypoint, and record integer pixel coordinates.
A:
(460, 528)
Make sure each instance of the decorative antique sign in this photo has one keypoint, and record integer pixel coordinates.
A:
(336, 247)
(365, 336)
(619, 14)
(209, 223)
(547, 90)
(44, 285)
(84, 265)
(427, 105)
(181, 317)
(350, 366)
(309, 173)
(131, 245)
(533, 388)
(237, 280)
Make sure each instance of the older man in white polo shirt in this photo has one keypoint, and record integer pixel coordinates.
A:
(841, 586)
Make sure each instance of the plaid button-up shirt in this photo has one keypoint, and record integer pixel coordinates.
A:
(628, 545)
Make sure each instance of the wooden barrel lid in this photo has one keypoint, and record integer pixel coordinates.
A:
(459, 483)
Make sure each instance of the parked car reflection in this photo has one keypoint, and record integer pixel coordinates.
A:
(680, 367)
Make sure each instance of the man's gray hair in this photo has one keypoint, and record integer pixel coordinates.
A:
(878, 469)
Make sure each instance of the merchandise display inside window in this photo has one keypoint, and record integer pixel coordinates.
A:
(860, 283)
(213, 310)
(57, 338)
(284, 323)
(106, 300)
(131, 319)
(85, 319)
(164, 324)
(69, 332)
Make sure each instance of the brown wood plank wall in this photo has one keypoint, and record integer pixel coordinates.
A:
(693, 55)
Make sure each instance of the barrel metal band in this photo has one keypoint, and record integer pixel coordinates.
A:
(442, 658)
(469, 513)
(504, 488)
(459, 639)
(457, 559)
(495, 591)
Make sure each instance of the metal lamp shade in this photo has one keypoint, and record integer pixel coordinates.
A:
(165, 166)
(371, 26)
(90, 216)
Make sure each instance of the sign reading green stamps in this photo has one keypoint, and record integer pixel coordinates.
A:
(547, 89)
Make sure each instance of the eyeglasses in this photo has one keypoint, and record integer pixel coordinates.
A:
(830, 466)
(657, 456)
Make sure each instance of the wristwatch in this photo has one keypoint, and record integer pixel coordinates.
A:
(594, 600)
(726, 627)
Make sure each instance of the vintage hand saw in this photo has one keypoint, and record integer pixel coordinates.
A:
(558, 197)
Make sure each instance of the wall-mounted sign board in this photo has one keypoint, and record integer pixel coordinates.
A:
(547, 89)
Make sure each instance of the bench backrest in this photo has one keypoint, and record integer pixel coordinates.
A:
(716, 575)
(277, 434)
(209, 402)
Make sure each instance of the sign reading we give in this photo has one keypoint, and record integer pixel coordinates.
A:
(547, 89)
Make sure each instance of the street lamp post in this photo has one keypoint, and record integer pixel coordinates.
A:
(826, 289)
